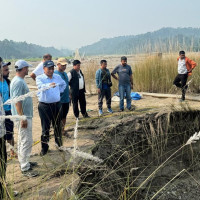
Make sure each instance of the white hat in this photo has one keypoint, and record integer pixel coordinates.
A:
(21, 64)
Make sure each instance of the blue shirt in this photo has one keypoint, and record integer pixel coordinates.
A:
(51, 95)
(65, 95)
(19, 87)
(4, 91)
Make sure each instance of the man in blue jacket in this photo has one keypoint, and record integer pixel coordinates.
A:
(103, 83)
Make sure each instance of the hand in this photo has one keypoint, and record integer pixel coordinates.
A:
(99, 90)
(24, 124)
(53, 84)
(131, 86)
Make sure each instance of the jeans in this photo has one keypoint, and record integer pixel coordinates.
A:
(122, 90)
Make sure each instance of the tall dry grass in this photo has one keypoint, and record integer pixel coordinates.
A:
(157, 74)
(152, 74)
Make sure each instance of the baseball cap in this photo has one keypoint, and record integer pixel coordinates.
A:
(62, 61)
(21, 64)
(48, 63)
(6, 64)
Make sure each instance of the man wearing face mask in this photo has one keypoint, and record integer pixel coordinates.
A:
(5, 94)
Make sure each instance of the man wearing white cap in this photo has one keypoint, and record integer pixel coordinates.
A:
(19, 87)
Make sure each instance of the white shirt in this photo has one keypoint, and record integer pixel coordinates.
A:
(81, 79)
(182, 69)
(39, 69)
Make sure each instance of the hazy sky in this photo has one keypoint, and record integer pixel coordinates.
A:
(74, 23)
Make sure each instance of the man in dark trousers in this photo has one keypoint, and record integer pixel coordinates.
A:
(77, 89)
(185, 67)
(3, 154)
(5, 94)
(49, 105)
(103, 83)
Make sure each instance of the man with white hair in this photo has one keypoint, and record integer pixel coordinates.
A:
(19, 87)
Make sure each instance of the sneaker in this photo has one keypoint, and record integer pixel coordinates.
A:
(110, 110)
(100, 112)
(121, 110)
(29, 173)
(33, 164)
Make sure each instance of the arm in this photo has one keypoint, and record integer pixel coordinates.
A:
(18, 105)
(40, 83)
(33, 76)
(114, 72)
(131, 78)
(62, 85)
(97, 81)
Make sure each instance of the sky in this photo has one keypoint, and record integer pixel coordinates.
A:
(75, 23)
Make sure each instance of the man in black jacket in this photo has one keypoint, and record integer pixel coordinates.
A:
(77, 89)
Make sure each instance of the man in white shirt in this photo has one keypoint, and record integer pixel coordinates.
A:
(77, 89)
(185, 67)
(39, 69)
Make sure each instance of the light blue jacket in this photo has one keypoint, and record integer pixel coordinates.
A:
(98, 77)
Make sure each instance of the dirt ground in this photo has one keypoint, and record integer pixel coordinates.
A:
(49, 182)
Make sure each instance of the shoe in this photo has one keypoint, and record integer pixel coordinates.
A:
(86, 116)
(132, 108)
(42, 153)
(66, 134)
(33, 164)
(29, 173)
(121, 110)
(181, 100)
(100, 112)
(110, 110)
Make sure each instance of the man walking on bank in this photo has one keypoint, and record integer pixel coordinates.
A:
(125, 79)
(49, 105)
(103, 83)
(77, 89)
(185, 67)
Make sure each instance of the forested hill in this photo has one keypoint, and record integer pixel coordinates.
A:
(163, 40)
(11, 50)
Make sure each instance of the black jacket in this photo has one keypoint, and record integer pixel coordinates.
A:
(74, 83)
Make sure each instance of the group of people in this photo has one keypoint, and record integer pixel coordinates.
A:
(57, 89)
